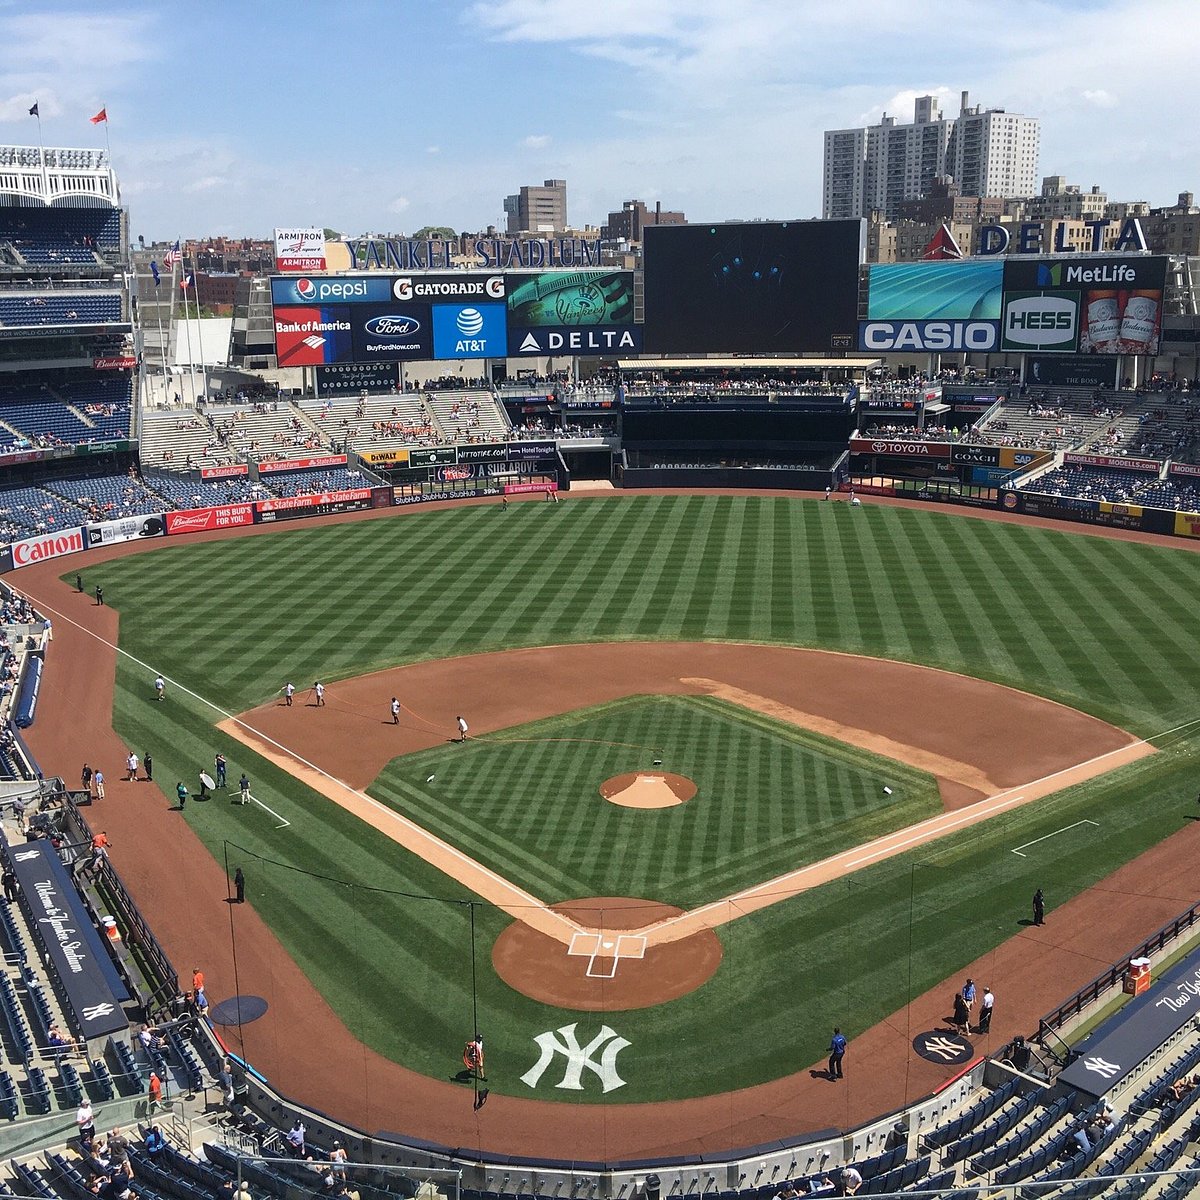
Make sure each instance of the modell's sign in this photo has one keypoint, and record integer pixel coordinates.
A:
(48, 545)
(299, 249)
(123, 363)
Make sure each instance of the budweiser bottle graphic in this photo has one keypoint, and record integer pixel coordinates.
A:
(1103, 323)
(1140, 323)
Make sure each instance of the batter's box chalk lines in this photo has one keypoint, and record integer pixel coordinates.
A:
(1074, 825)
(609, 951)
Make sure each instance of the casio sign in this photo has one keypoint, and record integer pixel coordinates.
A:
(1040, 320)
(929, 335)
(392, 326)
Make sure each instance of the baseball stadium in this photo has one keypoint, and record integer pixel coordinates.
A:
(708, 758)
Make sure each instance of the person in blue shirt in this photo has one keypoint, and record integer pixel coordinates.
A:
(154, 1143)
(837, 1051)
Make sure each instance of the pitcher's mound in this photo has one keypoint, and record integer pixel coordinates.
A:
(646, 789)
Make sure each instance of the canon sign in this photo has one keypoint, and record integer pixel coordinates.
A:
(48, 545)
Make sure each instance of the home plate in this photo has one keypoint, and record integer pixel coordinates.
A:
(607, 945)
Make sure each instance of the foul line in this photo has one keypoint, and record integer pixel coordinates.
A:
(1064, 829)
(266, 808)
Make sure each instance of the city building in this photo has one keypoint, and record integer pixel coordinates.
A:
(538, 209)
(944, 202)
(627, 224)
(1174, 229)
(987, 153)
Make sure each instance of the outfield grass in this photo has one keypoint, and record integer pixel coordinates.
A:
(770, 798)
(1105, 626)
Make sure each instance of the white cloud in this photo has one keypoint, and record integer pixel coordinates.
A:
(399, 204)
(536, 141)
(205, 183)
(433, 149)
(1100, 98)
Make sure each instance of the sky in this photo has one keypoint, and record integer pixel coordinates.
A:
(389, 115)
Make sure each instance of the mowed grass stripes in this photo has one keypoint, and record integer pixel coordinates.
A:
(769, 799)
(1105, 626)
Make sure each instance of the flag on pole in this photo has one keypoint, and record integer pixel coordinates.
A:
(33, 112)
(101, 116)
(187, 281)
(173, 255)
(154, 271)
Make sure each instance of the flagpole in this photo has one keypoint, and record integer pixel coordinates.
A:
(199, 330)
(187, 326)
(36, 113)
(162, 346)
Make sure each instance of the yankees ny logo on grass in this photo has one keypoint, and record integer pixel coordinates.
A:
(563, 1041)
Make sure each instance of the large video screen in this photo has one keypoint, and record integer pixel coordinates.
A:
(777, 287)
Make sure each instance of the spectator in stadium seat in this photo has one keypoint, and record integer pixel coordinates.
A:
(295, 1138)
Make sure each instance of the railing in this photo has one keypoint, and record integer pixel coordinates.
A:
(1107, 980)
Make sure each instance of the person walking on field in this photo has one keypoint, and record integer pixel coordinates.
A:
(182, 793)
(462, 729)
(837, 1051)
(98, 783)
(395, 711)
(244, 788)
(289, 690)
(1039, 908)
(148, 763)
(985, 1010)
(319, 692)
(239, 886)
(160, 686)
(222, 766)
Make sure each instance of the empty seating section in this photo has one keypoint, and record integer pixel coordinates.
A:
(59, 308)
(43, 422)
(307, 483)
(65, 410)
(472, 415)
(180, 440)
(184, 491)
(58, 237)
(28, 510)
(105, 497)
(1086, 483)
(104, 398)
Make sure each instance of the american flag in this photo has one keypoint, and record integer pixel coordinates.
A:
(172, 256)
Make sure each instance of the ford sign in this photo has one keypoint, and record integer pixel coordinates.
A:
(393, 326)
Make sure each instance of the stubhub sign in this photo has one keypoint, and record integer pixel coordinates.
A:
(879, 336)
(469, 331)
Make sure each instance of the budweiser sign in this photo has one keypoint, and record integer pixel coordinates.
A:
(197, 520)
(48, 545)
(114, 364)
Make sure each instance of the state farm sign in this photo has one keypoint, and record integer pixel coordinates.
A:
(48, 545)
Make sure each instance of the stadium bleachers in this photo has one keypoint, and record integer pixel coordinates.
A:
(469, 415)
(104, 497)
(57, 308)
(306, 483)
(59, 237)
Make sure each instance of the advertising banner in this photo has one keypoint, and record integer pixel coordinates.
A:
(322, 503)
(299, 249)
(469, 331)
(1187, 469)
(331, 289)
(455, 474)
(224, 472)
(73, 948)
(933, 306)
(384, 458)
(309, 336)
(1187, 524)
(758, 287)
(124, 529)
(197, 520)
(900, 449)
(594, 341)
(569, 299)
(302, 464)
(458, 285)
(528, 451)
(48, 545)
(977, 456)
(1079, 370)
(351, 379)
(402, 499)
(397, 332)
(1098, 305)
(124, 362)
(432, 458)
(1013, 458)
(1112, 462)
(512, 489)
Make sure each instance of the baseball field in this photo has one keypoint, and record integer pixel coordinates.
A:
(820, 679)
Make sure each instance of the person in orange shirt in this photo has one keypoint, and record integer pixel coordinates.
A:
(155, 1090)
(197, 979)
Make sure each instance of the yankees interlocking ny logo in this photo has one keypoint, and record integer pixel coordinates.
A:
(563, 1041)
(94, 1011)
(946, 1047)
(1101, 1066)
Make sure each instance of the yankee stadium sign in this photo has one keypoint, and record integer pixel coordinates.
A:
(435, 254)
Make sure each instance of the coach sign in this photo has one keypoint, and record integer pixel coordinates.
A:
(76, 952)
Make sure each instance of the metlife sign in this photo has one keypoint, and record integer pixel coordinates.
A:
(1041, 321)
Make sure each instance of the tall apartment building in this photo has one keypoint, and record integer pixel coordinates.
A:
(987, 152)
(538, 209)
(627, 224)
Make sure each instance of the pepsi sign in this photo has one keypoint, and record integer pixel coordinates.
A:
(330, 289)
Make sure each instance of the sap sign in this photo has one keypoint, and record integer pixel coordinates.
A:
(877, 336)
(1036, 321)
(469, 331)
(998, 239)
(329, 289)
